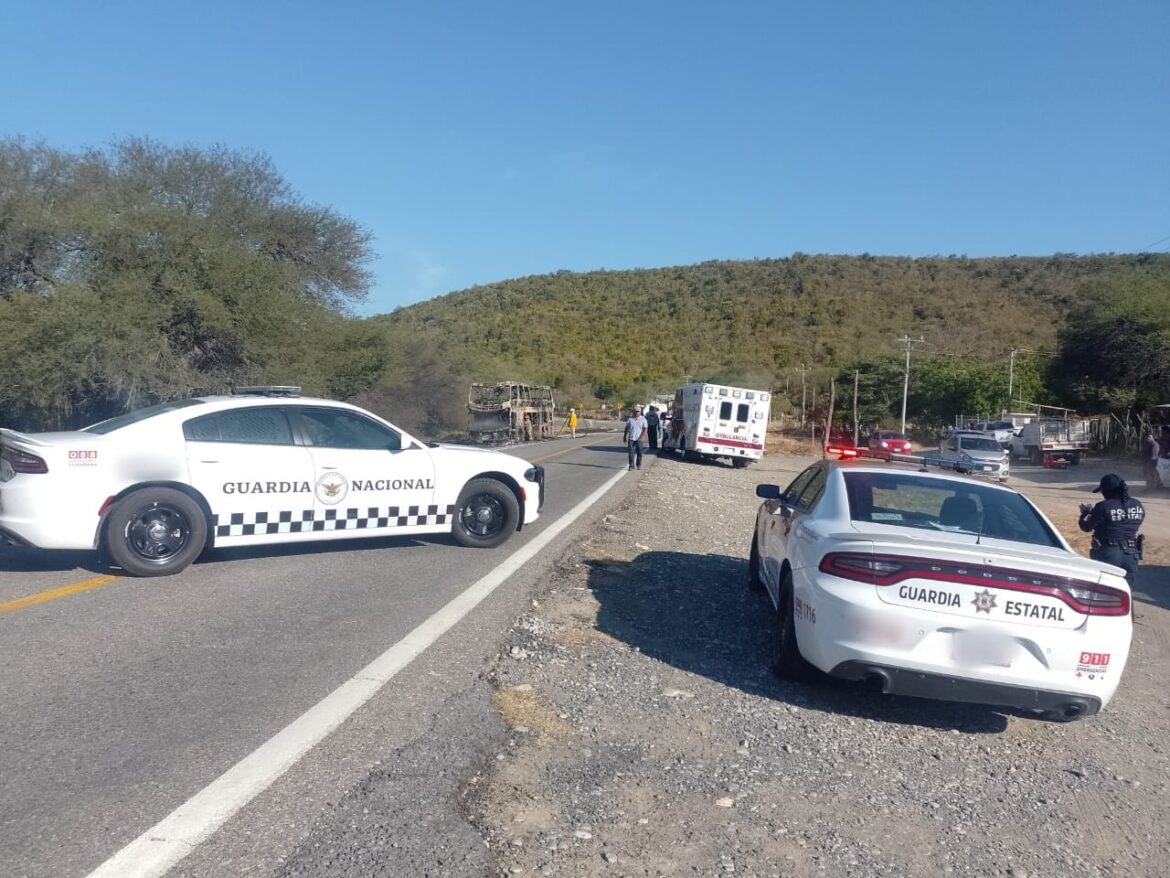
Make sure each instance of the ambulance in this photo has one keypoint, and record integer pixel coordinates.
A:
(717, 421)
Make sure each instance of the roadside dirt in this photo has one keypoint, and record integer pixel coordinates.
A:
(649, 738)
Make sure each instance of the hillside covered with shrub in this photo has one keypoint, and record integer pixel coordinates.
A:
(141, 273)
(620, 335)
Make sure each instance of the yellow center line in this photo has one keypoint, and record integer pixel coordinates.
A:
(556, 453)
(54, 593)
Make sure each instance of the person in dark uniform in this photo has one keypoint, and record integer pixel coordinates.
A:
(652, 425)
(1115, 522)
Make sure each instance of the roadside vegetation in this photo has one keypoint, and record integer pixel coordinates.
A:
(141, 272)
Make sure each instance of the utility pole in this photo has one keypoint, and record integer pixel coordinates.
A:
(1011, 376)
(856, 426)
(803, 392)
(909, 342)
(829, 417)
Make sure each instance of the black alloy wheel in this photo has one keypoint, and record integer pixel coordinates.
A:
(487, 514)
(155, 532)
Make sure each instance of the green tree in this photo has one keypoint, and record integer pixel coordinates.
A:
(946, 386)
(143, 273)
(1115, 349)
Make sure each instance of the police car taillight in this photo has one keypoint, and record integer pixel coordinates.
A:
(883, 570)
(1101, 600)
(22, 461)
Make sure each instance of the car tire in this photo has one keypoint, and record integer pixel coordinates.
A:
(486, 515)
(739, 462)
(787, 662)
(155, 532)
(1036, 456)
(754, 580)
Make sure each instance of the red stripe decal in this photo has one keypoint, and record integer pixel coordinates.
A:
(731, 443)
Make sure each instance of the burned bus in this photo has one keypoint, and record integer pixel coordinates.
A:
(510, 412)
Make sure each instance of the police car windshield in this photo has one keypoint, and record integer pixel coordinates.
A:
(979, 443)
(117, 423)
(905, 499)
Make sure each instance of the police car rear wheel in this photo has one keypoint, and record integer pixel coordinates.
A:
(155, 532)
(487, 514)
(787, 662)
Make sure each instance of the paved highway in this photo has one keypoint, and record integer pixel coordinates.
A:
(125, 698)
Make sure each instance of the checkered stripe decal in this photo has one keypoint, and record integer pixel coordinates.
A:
(246, 524)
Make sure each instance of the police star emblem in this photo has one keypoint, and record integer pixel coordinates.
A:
(984, 601)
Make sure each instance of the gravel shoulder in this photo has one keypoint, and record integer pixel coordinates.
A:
(647, 736)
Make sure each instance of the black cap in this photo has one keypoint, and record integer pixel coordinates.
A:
(1110, 483)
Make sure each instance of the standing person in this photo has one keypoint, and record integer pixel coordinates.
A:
(1152, 453)
(528, 428)
(573, 423)
(635, 435)
(1114, 523)
(652, 428)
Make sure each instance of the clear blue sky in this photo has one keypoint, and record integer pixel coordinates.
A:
(480, 141)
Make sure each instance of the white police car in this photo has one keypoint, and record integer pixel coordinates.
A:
(937, 585)
(157, 486)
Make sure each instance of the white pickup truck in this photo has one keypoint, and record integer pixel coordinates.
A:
(1059, 438)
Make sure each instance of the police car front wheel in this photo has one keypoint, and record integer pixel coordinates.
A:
(155, 532)
(487, 514)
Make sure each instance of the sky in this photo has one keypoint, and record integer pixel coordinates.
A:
(481, 141)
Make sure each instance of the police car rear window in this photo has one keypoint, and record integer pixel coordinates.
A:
(134, 417)
(247, 426)
(948, 506)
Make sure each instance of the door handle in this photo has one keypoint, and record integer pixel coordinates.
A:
(209, 461)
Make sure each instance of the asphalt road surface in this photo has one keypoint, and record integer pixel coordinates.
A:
(124, 698)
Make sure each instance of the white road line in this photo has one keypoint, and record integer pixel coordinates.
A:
(176, 835)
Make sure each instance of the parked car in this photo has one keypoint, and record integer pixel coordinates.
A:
(936, 585)
(966, 447)
(1000, 431)
(886, 440)
(157, 486)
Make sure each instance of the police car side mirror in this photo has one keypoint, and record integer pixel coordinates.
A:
(769, 492)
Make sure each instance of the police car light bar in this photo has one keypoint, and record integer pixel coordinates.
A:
(924, 461)
(842, 451)
(268, 390)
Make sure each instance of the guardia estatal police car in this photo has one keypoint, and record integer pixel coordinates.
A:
(937, 585)
(156, 487)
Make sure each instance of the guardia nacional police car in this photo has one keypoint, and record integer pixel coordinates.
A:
(156, 487)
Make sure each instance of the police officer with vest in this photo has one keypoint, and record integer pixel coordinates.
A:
(1114, 523)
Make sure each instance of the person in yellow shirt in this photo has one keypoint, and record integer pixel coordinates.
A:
(573, 422)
